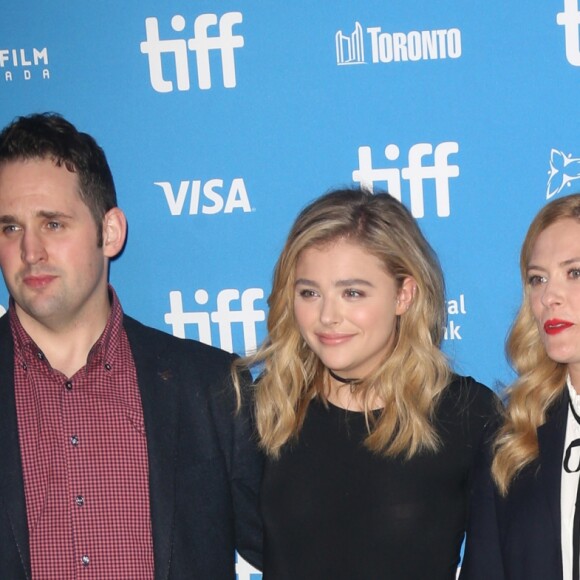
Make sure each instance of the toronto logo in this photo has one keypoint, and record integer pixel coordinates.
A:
(350, 48)
(388, 47)
(563, 170)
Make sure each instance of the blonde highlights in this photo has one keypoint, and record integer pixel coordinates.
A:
(409, 381)
(540, 380)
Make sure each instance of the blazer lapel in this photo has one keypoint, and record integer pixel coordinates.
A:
(159, 397)
(551, 436)
(11, 479)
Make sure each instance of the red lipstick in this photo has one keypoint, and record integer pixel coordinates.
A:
(555, 325)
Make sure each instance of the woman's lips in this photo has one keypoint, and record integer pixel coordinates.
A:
(555, 326)
(333, 339)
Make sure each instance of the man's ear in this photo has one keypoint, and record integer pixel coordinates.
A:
(114, 232)
(406, 295)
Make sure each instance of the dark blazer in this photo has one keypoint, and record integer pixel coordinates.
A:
(518, 537)
(204, 469)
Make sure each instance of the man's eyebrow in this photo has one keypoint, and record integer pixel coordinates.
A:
(10, 219)
(53, 214)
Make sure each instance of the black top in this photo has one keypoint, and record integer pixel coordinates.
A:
(518, 537)
(334, 510)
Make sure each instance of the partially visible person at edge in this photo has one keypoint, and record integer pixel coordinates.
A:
(121, 455)
(370, 438)
(524, 524)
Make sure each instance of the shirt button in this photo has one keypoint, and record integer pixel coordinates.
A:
(74, 440)
(108, 366)
(85, 561)
(24, 366)
(68, 385)
(40, 355)
(80, 500)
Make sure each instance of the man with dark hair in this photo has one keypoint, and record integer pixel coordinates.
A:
(121, 454)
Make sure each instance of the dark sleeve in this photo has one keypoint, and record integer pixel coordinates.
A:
(246, 476)
(482, 559)
(205, 466)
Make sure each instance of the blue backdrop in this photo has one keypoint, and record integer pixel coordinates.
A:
(222, 119)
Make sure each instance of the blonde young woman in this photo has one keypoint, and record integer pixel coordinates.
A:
(370, 438)
(523, 525)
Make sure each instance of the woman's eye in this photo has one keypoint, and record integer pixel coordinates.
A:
(350, 293)
(536, 279)
(307, 293)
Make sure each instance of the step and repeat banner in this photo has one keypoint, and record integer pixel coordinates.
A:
(221, 120)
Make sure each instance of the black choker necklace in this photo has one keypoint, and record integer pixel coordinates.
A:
(352, 383)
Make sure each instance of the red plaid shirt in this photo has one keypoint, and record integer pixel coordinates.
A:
(84, 460)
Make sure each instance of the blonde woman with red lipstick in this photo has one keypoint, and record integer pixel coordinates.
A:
(524, 524)
(370, 437)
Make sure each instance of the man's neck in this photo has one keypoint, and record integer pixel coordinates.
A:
(67, 346)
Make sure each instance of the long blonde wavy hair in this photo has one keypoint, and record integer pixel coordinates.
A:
(540, 379)
(409, 381)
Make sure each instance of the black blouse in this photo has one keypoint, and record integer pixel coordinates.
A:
(333, 510)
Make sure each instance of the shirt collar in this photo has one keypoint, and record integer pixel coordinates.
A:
(102, 352)
(574, 396)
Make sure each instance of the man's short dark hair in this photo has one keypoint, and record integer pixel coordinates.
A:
(50, 136)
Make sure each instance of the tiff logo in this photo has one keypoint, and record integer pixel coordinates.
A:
(350, 49)
(200, 43)
(570, 20)
(224, 316)
(415, 173)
